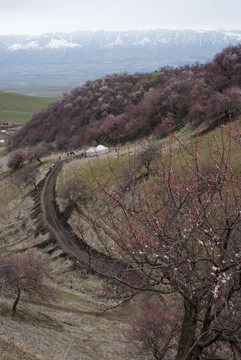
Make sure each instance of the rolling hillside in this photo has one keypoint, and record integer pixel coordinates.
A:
(20, 108)
(123, 107)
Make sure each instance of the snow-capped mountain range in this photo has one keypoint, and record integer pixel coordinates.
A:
(106, 39)
(34, 45)
(70, 59)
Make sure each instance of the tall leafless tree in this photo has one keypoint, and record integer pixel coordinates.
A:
(181, 235)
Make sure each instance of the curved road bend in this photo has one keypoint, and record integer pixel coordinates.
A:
(68, 241)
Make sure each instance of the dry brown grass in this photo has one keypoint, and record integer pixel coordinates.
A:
(74, 327)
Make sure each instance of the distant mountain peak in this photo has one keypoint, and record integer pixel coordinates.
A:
(65, 60)
(35, 45)
(28, 46)
(60, 44)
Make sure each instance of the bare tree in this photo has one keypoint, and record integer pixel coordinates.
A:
(27, 175)
(74, 193)
(30, 175)
(25, 273)
(149, 153)
(156, 327)
(181, 235)
(16, 159)
(37, 152)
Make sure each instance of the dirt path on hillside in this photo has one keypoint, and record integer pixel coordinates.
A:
(69, 242)
(50, 214)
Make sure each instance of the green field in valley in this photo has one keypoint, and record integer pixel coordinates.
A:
(20, 108)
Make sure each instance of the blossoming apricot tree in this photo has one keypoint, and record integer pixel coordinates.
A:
(180, 233)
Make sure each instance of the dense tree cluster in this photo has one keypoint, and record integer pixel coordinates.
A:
(121, 106)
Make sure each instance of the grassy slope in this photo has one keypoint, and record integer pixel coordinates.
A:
(20, 108)
(104, 170)
(71, 327)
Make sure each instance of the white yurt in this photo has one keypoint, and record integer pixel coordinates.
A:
(91, 151)
(98, 150)
(101, 149)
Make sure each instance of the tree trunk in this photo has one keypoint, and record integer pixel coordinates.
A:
(187, 337)
(14, 308)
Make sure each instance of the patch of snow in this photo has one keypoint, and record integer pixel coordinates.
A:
(232, 34)
(143, 41)
(116, 42)
(60, 44)
(28, 46)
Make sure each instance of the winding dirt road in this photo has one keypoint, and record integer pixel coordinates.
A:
(69, 242)
(51, 214)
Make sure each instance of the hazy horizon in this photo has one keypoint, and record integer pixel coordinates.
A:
(127, 30)
(32, 17)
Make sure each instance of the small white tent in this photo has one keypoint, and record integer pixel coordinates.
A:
(96, 151)
(101, 149)
(91, 151)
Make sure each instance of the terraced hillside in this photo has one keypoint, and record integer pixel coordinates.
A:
(76, 326)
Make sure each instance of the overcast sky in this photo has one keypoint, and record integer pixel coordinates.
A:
(41, 16)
